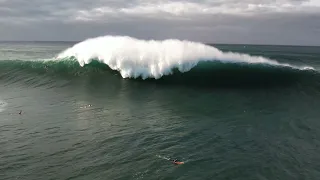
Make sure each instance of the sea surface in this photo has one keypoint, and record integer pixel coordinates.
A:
(120, 108)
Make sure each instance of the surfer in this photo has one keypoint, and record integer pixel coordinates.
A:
(20, 112)
(175, 161)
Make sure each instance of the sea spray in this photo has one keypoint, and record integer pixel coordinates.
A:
(153, 59)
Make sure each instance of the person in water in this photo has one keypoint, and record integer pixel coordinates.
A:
(175, 161)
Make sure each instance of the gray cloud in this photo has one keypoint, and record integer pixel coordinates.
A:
(219, 21)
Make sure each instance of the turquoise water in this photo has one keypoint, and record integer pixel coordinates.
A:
(224, 120)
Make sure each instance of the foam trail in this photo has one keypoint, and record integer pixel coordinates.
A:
(154, 59)
(162, 157)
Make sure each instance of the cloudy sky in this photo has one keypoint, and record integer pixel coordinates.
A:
(210, 21)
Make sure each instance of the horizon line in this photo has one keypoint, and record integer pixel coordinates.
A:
(69, 41)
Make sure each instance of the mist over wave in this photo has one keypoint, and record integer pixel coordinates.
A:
(135, 58)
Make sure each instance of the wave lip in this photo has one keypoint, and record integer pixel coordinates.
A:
(135, 58)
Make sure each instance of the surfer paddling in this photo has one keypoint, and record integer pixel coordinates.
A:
(175, 161)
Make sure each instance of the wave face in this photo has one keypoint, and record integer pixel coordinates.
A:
(135, 58)
(205, 74)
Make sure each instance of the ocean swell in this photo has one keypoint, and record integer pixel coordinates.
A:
(135, 58)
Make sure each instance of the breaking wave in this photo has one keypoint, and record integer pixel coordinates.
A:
(175, 62)
(135, 58)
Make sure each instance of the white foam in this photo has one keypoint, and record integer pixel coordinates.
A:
(2, 105)
(153, 59)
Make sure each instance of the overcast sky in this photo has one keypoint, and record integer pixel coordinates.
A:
(210, 21)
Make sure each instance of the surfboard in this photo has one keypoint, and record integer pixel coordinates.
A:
(179, 163)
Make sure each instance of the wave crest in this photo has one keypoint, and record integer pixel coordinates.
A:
(135, 58)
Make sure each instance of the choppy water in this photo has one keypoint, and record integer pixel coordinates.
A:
(234, 120)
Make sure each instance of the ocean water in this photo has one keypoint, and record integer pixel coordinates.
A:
(119, 108)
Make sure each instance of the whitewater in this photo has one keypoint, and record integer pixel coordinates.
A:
(3, 104)
(135, 58)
